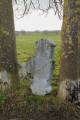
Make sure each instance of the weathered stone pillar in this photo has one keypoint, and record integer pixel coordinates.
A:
(42, 66)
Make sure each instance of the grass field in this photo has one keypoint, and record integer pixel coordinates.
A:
(26, 47)
(21, 104)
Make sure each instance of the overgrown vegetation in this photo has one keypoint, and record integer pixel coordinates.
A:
(3, 98)
(22, 105)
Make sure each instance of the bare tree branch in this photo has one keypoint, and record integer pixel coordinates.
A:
(23, 7)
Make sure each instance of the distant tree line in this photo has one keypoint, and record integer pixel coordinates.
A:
(22, 32)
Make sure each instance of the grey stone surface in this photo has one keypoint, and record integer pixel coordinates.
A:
(4, 80)
(74, 91)
(22, 70)
(78, 90)
(31, 65)
(42, 66)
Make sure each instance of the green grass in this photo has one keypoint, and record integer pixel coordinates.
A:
(3, 98)
(26, 47)
(21, 103)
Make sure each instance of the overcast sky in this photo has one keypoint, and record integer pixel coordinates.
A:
(36, 21)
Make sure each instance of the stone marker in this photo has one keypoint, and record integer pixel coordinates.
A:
(31, 66)
(22, 70)
(4, 80)
(41, 67)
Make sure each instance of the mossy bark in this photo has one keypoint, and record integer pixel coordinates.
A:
(8, 57)
(70, 52)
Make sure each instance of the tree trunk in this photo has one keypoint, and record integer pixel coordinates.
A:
(8, 60)
(70, 52)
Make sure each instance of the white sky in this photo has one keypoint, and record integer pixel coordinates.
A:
(36, 21)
